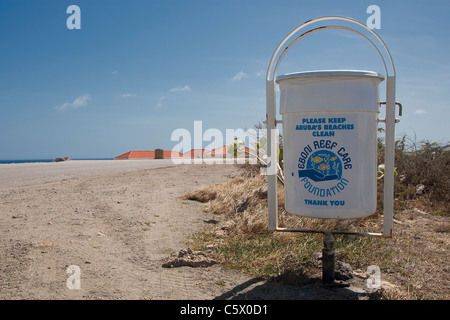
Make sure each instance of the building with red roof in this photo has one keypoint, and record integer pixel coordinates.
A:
(197, 153)
(147, 155)
(194, 153)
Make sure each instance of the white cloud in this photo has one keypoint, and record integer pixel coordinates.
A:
(259, 74)
(79, 102)
(420, 111)
(114, 72)
(186, 88)
(160, 102)
(127, 95)
(239, 76)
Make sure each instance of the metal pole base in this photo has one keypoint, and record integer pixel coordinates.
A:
(328, 279)
(328, 258)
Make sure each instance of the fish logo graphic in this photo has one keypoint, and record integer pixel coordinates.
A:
(322, 165)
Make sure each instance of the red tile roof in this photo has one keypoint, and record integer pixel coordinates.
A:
(220, 151)
(194, 153)
(172, 154)
(137, 155)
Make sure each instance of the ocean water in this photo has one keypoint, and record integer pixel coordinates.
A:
(47, 160)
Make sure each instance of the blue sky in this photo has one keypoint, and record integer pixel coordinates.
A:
(137, 70)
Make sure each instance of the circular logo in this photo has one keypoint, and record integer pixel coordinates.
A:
(322, 165)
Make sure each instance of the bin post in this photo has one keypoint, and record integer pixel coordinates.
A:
(328, 258)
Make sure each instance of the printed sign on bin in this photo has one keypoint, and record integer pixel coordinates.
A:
(330, 142)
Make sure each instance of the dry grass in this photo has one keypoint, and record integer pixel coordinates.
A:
(426, 163)
(244, 200)
(415, 260)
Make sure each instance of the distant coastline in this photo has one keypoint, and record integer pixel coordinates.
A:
(46, 160)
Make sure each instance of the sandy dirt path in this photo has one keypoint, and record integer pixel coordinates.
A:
(118, 229)
(21, 174)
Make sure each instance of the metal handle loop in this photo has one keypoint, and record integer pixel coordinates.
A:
(309, 22)
(389, 121)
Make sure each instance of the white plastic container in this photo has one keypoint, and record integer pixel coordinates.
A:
(330, 142)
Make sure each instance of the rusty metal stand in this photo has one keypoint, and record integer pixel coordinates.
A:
(328, 258)
(328, 279)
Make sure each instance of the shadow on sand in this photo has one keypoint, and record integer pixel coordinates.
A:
(303, 289)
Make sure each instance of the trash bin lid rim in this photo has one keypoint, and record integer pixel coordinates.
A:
(317, 73)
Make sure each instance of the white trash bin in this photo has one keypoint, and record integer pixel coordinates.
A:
(330, 142)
